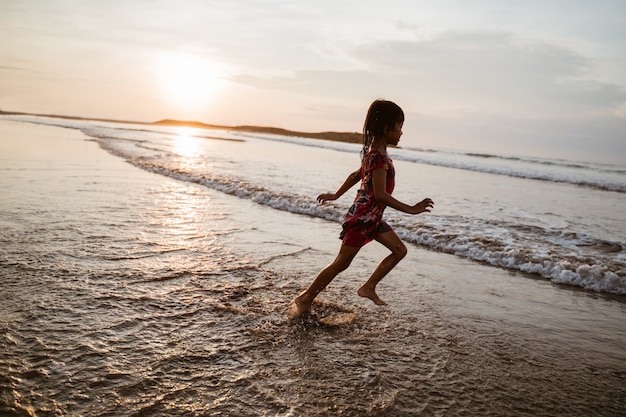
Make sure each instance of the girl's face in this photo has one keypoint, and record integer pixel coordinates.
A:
(393, 135)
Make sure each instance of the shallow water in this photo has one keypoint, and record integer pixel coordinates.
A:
(129, 293)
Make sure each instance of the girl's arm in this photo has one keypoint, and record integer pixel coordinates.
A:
(350, 182)
(379, 182)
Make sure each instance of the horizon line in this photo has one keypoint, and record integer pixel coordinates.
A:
(349, 137)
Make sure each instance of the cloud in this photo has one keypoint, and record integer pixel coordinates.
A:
(465, 72)
(313, 82)
(494, 72)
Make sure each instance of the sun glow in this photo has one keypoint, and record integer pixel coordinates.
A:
(188, 80)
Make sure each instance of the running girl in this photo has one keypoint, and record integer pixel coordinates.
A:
(363, 222)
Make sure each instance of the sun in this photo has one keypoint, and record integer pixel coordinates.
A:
(188, 80)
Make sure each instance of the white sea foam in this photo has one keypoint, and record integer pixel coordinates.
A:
(550, 257)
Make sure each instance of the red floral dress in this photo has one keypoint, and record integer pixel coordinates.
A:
(364, 222)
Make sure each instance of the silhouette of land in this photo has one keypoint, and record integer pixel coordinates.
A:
(350, 137)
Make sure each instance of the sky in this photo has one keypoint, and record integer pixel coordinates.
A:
(542, 78)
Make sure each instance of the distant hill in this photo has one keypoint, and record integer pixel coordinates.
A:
(349, 137)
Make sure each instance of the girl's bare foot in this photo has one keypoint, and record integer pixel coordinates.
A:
(298, 307)
(371, 294)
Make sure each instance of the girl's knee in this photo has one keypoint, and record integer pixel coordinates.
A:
(344, 258)
(399, 250)
(394, 244)
(342, 265)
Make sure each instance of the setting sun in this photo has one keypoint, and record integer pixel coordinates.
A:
(188, 80)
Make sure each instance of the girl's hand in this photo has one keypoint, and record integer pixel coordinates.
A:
(423, 206)
(322, 198)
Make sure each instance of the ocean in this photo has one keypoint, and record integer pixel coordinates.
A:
(146, 270)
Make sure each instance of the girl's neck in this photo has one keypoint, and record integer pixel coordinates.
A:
(381, 147)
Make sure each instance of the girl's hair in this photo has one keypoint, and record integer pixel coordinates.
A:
(382, 115)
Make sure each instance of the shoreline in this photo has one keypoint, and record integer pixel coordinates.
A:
(347, 137)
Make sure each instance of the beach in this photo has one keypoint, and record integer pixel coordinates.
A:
(148, 272)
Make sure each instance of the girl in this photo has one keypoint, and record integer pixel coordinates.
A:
(363, 222)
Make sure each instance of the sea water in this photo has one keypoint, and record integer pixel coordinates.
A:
(561, 220)
(155, 281)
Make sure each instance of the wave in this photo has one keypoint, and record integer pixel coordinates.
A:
(580, 175)
(550, 257)
(554, 261)
(602, 177)
(549, 162)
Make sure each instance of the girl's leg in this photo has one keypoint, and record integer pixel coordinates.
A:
(398, 251)
(303, 302)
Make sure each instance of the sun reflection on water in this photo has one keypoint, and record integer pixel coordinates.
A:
(186, 142)
(185, 228)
